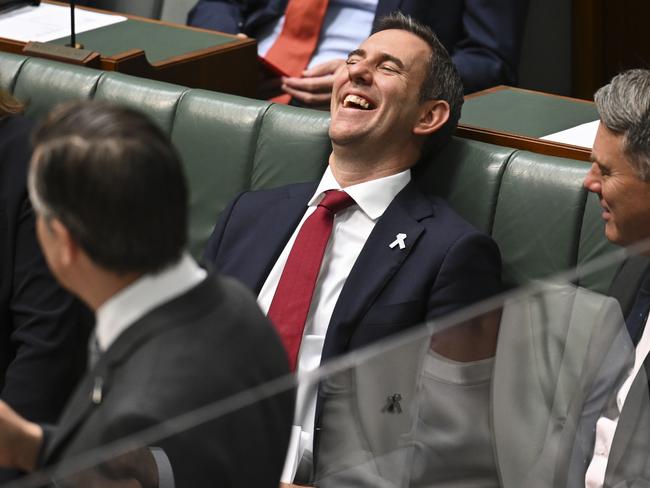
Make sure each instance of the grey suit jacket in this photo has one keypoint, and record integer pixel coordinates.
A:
(560, 353)
(204, 346)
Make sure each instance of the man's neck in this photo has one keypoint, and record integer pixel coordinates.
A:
(101, 285)
(351, 167)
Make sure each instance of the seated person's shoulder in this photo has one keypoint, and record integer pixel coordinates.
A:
(456, 227)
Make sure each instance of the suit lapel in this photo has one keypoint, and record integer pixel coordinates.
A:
(628, 280)
(79, 407)
(96, 383)
(277, 223)
(634, 409)
(376, 264)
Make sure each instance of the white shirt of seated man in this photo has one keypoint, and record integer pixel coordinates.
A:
(607, 423)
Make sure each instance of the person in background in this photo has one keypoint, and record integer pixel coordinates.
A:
(310, 39)
(44, 330)
(620, 177)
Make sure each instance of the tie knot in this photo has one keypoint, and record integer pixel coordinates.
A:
(336, 200)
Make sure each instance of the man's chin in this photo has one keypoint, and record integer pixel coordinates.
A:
(615, 236)
(344, 137)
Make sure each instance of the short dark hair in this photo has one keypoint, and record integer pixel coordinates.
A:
(442, 81)
(113, 178)
(624, 108)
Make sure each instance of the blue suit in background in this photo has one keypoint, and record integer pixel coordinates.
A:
(482, 36)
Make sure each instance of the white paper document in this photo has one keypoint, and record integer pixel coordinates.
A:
(48, 22)
(580, 135)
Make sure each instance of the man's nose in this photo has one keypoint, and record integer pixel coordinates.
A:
(360, 72)
(592, 180)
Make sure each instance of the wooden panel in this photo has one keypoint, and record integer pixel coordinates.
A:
(531, 144)
(229, 67)
(608, 37)
(626, 36)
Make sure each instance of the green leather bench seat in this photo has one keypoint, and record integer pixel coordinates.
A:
(533, 205)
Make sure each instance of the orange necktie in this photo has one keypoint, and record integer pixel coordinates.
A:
(297, 42)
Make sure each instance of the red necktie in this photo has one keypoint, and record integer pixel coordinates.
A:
(295, 45)
(290, 305)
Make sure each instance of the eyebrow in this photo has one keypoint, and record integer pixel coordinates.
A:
(383, 57)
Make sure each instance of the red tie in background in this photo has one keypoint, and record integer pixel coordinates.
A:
(290, 305)
(295, 45)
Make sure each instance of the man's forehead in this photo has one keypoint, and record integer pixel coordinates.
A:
(608, 150)
(605, 142)
(398, 42)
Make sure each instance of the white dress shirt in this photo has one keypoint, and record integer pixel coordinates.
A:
(351, 229)
(606, 427)
(143, 295)
(346, 25)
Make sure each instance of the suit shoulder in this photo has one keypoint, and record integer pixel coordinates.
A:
(15, 126)
(225, 313)
(445, 216)
(270, 195)
(15, 145)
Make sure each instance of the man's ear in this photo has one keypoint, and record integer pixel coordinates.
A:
(67, 247)
(434, 114)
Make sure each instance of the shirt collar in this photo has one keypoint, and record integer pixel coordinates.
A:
(143, 295)
(373, 197)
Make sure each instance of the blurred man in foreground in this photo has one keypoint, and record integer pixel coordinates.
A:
(111, 203)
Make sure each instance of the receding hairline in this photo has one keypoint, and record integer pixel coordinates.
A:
(424, 42)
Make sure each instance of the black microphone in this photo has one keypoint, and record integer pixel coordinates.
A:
(73, 35)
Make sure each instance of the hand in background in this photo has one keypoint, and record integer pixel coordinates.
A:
(314, 88)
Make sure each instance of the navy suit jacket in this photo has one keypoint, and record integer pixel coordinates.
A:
(43, 329)
(483, 37)
(446, 265)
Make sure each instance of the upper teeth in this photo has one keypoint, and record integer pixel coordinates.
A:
(357, 100)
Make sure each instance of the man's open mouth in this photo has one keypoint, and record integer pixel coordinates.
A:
(357, 102)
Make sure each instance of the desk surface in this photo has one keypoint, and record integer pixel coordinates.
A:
(158, 41)
(196, 58)
(517, 118)
(525, 112)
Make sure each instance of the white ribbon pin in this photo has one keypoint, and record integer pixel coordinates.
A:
(399, 241)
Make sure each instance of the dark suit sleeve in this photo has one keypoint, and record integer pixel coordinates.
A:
(470, 272)
(212, 247)
(220, 15)
(44, 330)
(49, 333)
(487, 54)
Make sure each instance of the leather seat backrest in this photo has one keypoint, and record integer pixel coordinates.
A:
(533, 205)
